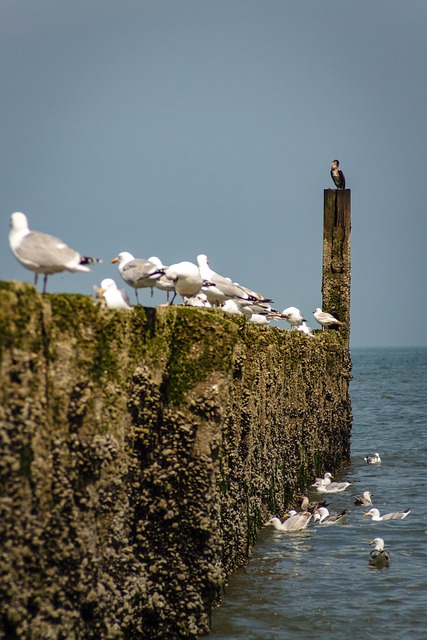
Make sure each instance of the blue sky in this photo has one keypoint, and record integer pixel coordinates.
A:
(179, 127)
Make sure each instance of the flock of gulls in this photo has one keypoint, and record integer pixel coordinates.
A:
(197, 284)
(317, 513)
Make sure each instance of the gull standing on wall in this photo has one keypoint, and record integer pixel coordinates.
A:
(114, 297)
(325, 319)
(185, 277)
(292, 315)
(222, 288)
(43, 253)
(136, 272)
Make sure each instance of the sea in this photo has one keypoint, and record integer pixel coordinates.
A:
(318, 584)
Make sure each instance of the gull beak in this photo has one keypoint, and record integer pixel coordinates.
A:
(371, 542)
(367, 514)
(114, 260)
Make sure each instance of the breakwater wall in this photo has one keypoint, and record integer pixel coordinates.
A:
(140, 453)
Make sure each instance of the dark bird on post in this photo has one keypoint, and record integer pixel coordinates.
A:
(337, 175)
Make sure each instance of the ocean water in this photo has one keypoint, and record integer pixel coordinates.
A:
(318, 584)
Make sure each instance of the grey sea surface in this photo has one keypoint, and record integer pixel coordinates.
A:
(318, 584)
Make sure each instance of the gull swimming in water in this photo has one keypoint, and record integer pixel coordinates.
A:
(306, 505)
(337, 175)
(295, 521)
(375, 459)
(320, 482)
(333, 487)
(364, 499)
(325, 319)
(114, 297)
(322, 516)
(136, 272)
(379, 556)
(41, 252)
(395, 515)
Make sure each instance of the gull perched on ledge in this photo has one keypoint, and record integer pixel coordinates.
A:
(326, 319)
(221, 288)
(136, 272)
(43, 253)
(114, 297)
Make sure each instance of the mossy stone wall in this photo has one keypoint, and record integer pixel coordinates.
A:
(140, 453)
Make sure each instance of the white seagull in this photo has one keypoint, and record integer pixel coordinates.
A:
(395, 515)
(186, 278)
(320, 482)
(41, 252)
(379, 556)
(292, 315)
(322, 516)
(325, 319)
(304, 328)
(375, 459)
(114, 297)
(162, 283)
(294, 522)
(222, 288)
(333, 487)
(136, 272)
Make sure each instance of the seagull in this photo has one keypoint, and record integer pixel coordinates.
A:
(320, 482)
(333, 487)
(199, 300)
(337, 175)
(294, 522)
(306, 505)
(325, 319)
(375, 459)
(41, 252)
(162, 283)
(379, 555)
(395, 515)
(136, 272)
(364, 499)
(221, 288)
(323, 516)
(292, 315)
(259, 318)
(114, 297)
(186, 279)
(304, 328)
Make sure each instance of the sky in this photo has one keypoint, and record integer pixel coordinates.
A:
(179, 127)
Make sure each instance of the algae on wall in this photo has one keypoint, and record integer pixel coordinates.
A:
(140, 453)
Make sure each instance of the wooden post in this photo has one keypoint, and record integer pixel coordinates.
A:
(336, 255)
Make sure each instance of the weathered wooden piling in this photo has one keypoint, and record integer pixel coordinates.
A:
(336, 278)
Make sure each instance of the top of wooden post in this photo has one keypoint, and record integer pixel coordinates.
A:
(336, 275)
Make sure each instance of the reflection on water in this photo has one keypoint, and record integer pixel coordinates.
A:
(318, 584)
